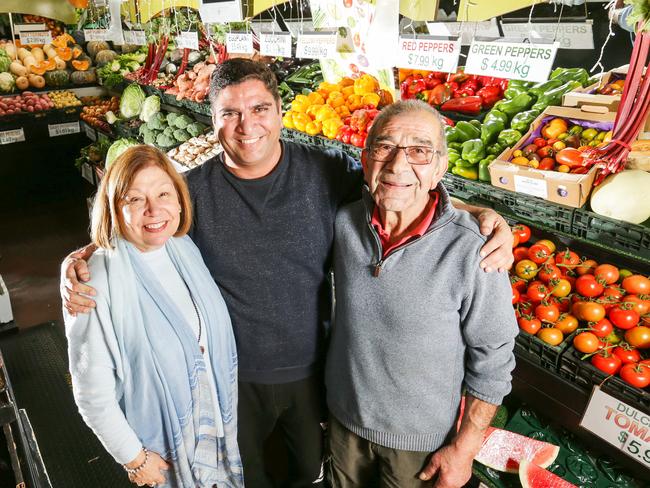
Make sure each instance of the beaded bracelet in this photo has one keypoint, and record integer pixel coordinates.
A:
(135, 471)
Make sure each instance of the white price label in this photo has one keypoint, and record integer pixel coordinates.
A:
(316, 45)
(87, 173)
(95, 34)
(570, 35)
(275, 44)
(531, 186)
(466, 30)
(189, 40)
(135, 37)
(512, 60)
(619, 424)
(427, 52)
(64, 129)
(29, 27)
(90, 132)
(239, 42)
(38, 37)
(11, 136)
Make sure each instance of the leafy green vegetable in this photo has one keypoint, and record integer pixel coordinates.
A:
(131, 101)
(181, 135)
(7, 82)
(157, 122)
(150, 107)
(182, 121)
(5, 61)
(195, 129)
(117, 148)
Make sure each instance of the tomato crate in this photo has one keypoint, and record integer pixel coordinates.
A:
(585, 375)
(615, 235)
(539, 351)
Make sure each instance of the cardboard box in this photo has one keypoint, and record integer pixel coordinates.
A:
(587, 95)
(564, 188)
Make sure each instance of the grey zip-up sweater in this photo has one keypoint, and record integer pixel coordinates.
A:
(407, 341)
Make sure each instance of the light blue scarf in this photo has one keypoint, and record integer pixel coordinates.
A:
(166, 398)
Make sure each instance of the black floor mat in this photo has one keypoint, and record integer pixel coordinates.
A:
(37, 363)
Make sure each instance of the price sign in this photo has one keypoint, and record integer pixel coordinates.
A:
(90, 132)
(95, 34)
(428, 52)
(135, 37)
(239, 42)
(11, 136)
(512, 60)
(276, 44)
(36, 37)
(316, 45)
(619, 424)
(56, 130)
(466, 30)
(570, 35)
(189, 40)
(87, 173)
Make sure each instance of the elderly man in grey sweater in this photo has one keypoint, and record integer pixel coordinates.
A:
(418, 325)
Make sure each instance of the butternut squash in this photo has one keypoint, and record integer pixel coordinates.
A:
(11, 50)
(59, 63)
(39, 69)
(49, 50)
(23, 53)
(22, 83)
(38, 54)
(36, 81)
(17, 68)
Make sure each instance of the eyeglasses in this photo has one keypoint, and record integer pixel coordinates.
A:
(418, 155)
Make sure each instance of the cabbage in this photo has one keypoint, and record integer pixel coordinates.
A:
(7, 82)
(150, 107)
(131, 101)
(5, 61)
(117, 148)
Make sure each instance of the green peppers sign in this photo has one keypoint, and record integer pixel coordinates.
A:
(512, 60)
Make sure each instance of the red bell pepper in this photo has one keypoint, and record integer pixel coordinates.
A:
(457, 77)
(448, 121)
(431, 80)
(416, 87)
(473, 84)
(344, 134)
(463, 92)
(464, 105)
(439, 95)
(490, 95)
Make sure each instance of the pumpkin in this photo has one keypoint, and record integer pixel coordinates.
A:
(623, 196)
(50, 64)
(63, 40)
(83, 77)
(59, 77)
(38, 54)
(104, 57)
(93, 47)
(79, 3)
(39, 69)
(81, 64)
(76, 51)
(65, 53)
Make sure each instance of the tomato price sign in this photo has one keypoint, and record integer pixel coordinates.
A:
(11, 136)
(316, 45)
(64, 129)
(428, 52)
(239, 42)
(275, 44)
(512, 60)
(619, 424)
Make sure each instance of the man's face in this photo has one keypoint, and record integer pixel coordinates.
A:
(248, 121)
(397, 185)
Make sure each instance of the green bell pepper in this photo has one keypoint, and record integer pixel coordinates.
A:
(520, 84)
(452, 155)
(451, 134)
(554, 97)
(543, 86)
(509, 137)
(469, 173)
(455, 145)
(495, 149)
(475, 123)
(473, 150)
(512, 91)
(490, 130)
(483, 164)
(570, 74)
(495, 114)
(521, 102)
(467, 131)
(522, 120)
(463, 163)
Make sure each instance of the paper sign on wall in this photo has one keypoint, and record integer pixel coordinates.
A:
(466, 30)
(512, 60)
(189, 40)
(135, 37)
(570, 35)
(275, 44)
(619, 424)
(239, 42)
(315, 45)
(428, 52)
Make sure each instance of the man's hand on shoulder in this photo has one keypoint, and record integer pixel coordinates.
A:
(74, 271)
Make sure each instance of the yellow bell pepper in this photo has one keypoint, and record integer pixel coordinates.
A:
(331, 127)
(312, 110)
(365, 84)
(335, 99)
(347, 91)
(343, 111)
(327, 88)
(354, 102)
(315, 98)
(347, 81)
(371, 99)
(313, 128)
(324, 113)
(287, 120)
(300, 103)
(300, 121)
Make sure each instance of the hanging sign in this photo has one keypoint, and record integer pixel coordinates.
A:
(221, 11)
(95, 34)
(135, 37)
(11, 136)
(33, 33)
(619, 424)
(512, 60)
(64, 129)
(189, 40)
(478, 10)
(428, 52)
(315, 45)
(466, 30)
(276, 44)
(570, 35)
(87, 173)
(239, 42)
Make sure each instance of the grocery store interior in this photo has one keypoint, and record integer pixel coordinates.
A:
(557, 142)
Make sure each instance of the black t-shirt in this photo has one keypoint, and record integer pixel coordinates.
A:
(267, 243)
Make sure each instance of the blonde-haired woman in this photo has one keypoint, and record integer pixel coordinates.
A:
(154, 364)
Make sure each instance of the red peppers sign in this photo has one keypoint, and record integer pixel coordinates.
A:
(429, 53)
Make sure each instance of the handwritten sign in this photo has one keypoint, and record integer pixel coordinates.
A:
(38, 37)
(276, 44)
(189, 40)
(428, 52)
(135, 37)
(316, 45)
(570, 35)
(619, 424)
(512, 60)
(64, 129)
(239, 42)
(11, 136)
(89, 131)
(95, 34)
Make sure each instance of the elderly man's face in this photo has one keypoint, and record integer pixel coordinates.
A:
(397, 185)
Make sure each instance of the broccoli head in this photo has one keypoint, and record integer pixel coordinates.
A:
(150, 138)
(157, 122)
(195, 129)
(182, 121)
(171, 117)
(163, 140)
(181, 135)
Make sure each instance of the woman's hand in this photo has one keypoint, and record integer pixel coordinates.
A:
(151, 473)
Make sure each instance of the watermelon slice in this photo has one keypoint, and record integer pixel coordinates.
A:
(532, 476)
(503, 450)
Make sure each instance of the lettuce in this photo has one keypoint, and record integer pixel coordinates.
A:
(131, 101)
(117, 148)
(150, 107)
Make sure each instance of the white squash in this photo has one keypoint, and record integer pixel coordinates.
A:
(624, 196)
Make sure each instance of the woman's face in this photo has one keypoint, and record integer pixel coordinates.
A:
(150, 209)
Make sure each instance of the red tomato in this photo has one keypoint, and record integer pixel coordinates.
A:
(567, 259)
(637, 375)
(546, 164)
(550, 335)
(547, 313)
(606, 362)
(613, 293)
(537, 291)
(639, 305)
(586, 342)
(520, 253)
(606, 273)
(622, 318)
(515, 295)
(526, 269)
(592, 311)
(518, 283)
(627, 354)
(569, 156)
(529, 325)
(539, 253)
(549, 272)
(563, 303)
(561, 289)
(547, 243)
(587, 286)
(566, 324)
(523, 231)
(602, 328)
(637, 284)
(515, 240)
(357, 139)
(586, 267)
(639, 337)
(524, 306)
